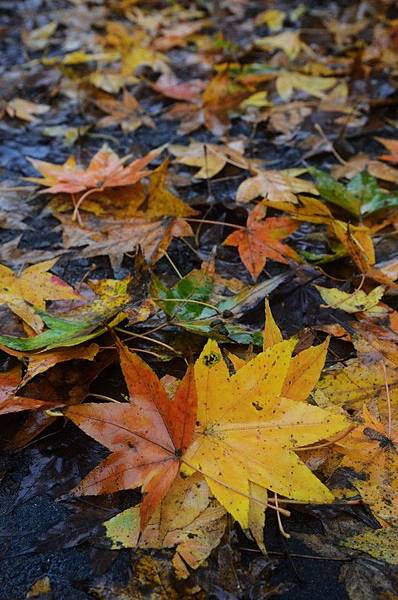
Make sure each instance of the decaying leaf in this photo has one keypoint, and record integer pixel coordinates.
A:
(189, 520)
(11, 401)
(370, 451)
(379, 543)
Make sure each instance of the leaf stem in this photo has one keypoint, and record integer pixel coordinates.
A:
(210, 222)
(146, 337)
(188, 301)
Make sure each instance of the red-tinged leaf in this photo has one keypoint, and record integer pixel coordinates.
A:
(169, 86)
(147, 436)
(105, 170)
(261, 239)
(392, 147)
(10, 402)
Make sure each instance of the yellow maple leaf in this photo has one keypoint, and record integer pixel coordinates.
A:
(357, 301)
(289, 81)
(247, 432)
(304, 368)
(361, 380)
(288, 41)
(32, 288)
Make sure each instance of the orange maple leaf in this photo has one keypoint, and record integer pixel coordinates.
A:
(261, 239)
(392, 147)
(147, 436)
(106, 170)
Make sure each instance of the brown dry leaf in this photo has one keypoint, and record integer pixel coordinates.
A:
(126, 112)
(273, 18)
(38, 39)
(160, 202)
(357, 240)
(41, 589)
(40, 362)
(362, 162)
(276, 186)
(221, 96)
(25, 110)
(344, 32)
(11, 402)
(115, 237)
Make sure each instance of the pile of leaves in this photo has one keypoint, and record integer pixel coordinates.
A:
(198, 283)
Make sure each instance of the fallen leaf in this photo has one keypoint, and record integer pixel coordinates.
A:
(289, 81)
(382, 544)
(210, 158)
(273, 18)
(42, 361)
(392, 147)
(305, 367)
(106, 170)
(160, 201)
(261, 240)
(11, 402)
(272, 333)
(78, 324)
(115, 237)
(247, 432)
(25, 110)
(169, 86)
(288, 41)
(357, 301)
(362, 162)
(41, 589)
(32, 288)
(370, 452)
(147, 435)
(361, 196)
(189, 520)
(359, 381)
(195, 304)
(275, 186)
(126, 112)
(38, 39)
